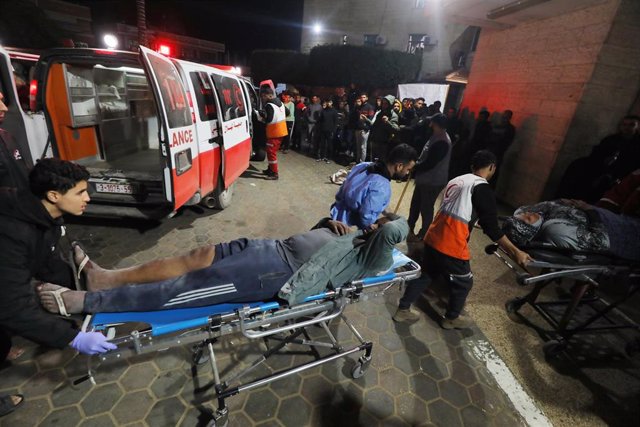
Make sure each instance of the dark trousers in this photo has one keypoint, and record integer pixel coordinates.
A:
(457, 273)
(5, 345)
(325, 148)
(243, 271)
(422, 202)
(286, 141)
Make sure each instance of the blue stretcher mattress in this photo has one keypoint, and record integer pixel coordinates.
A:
(169, 321)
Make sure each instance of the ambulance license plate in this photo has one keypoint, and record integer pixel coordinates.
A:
(114, 188)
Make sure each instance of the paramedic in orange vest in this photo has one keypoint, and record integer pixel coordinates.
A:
(274, 116)
(446, 244)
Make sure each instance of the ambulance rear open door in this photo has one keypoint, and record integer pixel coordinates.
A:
(177, 132)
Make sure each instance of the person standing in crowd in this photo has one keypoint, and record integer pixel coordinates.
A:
(366, 112)
(299, 126)
(446, 250)
(328, 123)
(289, 108)
(500, 140)
(437, 105)
(367, 190)
(431, 175)
(481, 133)
(342, 138)
(383, 126)
(419, 108)
(616, 156)
(313, 115)
(274, 116)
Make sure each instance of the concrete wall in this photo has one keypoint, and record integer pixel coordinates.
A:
(540, 70)
(610, 94)
(393, 19)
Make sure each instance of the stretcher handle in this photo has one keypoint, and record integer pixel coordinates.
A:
(521, 277)
(253, 334)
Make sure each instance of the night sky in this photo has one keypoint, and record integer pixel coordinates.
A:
(242, 25)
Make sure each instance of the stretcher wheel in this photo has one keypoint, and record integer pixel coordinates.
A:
(199, 356)
(553, 348)
(358, 370)
(512, 307)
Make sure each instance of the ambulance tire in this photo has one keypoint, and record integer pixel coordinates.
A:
(259, 155)
(222, 197)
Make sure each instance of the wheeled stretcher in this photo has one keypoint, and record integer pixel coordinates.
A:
(273, 320)
(587, 271)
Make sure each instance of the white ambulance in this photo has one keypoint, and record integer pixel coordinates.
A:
(155, 133)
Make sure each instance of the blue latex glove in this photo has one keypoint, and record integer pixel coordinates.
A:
(92, 343)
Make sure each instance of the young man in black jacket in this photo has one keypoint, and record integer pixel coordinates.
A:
(30, 230)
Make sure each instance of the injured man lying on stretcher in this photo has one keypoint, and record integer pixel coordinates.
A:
(575, 225)
(243, 270)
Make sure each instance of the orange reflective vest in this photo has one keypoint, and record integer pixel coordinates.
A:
(277, 127)
(449, 232)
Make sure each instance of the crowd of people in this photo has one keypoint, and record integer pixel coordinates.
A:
(391, 140)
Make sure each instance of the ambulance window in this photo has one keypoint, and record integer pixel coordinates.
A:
(230, 97)
(204, 96)
(172, 93)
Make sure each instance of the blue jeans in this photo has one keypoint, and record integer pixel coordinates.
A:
(243, 271)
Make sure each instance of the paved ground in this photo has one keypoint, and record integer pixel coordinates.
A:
(420, 375)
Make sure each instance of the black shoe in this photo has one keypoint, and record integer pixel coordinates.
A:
(267, 172)
(272, 177)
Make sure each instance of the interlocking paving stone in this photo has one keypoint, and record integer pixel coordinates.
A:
(168, 383)
(424, 387)
(406, 362)
(411, 408)
(261, 404)
(139, 376)
(166, 412)
(287, 386)
(391, 341)
(67, 394)
(17, 374)
(31, 412)
(133, 407)
(99, 421)
(171, 358)
(443, 414)
(101, 399)
(69, 416)
(434, 367)
(317, 390)
(44, 383)
(463, 373)
(472, 416)
(294, 411)
(454, 393)
(55, 358)
(379, 403)
(394, 381)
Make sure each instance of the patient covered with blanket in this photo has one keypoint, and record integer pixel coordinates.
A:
(576, 225)
(250, 270)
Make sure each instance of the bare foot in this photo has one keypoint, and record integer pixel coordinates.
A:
(15, 353)
(73, 300)
(96, 276)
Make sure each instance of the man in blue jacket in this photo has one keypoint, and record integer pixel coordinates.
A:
(367, 190)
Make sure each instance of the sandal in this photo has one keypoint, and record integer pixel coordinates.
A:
(6, 404)
(78, 278)
(57, 295)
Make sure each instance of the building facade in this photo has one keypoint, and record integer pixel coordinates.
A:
(414, 26)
